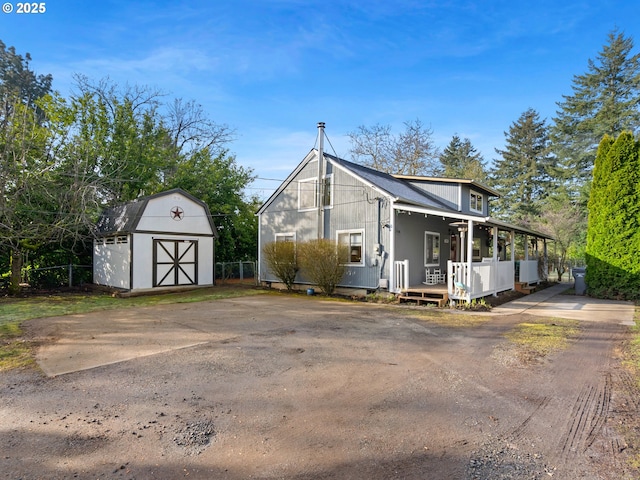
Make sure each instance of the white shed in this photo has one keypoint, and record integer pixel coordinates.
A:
(165, 240)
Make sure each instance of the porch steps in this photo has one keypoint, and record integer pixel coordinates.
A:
(441, 298)
(525, 288)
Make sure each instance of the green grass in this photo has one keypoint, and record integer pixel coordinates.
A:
(447, 319)
(15, 352)
(541, 337)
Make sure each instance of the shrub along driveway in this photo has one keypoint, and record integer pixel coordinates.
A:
(278, 386)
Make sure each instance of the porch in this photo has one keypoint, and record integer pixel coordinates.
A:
(475, 259)
(466, 281)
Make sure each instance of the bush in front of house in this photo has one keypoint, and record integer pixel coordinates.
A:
(613, 233)
(281, 260)
(323, 262)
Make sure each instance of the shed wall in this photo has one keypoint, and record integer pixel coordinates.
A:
(111, 264)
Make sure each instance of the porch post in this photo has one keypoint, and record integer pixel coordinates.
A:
(512, 235)
(495, 261)
(469, 259)
(545, 259)
(392, 247)
(526, 247)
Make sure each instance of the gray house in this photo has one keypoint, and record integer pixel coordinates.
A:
(431, 237)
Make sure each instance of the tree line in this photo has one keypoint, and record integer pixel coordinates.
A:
(64, 159)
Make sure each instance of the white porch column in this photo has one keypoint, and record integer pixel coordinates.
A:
(512, 236)
(469, 259)
(495, 261)
(545, 260)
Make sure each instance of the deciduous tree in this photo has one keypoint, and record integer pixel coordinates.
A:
(412, 152)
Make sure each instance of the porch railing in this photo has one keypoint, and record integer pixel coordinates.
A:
(485, 278)
(400, 275)
(528, 271)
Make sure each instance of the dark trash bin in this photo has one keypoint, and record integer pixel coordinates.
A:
(578, 275)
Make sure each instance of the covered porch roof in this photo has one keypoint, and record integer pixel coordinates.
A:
(476, 219)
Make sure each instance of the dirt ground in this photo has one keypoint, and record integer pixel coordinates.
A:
(295, 387)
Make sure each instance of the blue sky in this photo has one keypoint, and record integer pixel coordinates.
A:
(272, 69)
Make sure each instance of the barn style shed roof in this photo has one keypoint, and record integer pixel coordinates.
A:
(124, 218)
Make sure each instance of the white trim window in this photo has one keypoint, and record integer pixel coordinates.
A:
(354, 240)
(286, 237)
(476, 202)
(307, 194)
(431, 249)
(327, 192)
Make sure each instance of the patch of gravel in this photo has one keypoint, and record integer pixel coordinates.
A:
(196, 436)
(501, 460)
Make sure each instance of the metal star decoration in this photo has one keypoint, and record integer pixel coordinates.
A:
(177, 213)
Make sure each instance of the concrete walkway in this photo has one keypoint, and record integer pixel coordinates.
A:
(551, 302)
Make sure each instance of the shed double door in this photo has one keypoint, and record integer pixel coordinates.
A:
(175, 262)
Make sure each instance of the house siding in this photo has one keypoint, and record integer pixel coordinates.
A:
(354, 206)
(446, 192)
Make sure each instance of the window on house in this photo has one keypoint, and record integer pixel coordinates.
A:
(327, 193)
(353, 239)
(285, 237)
(431, 249)
(122, 239)
(307, 194)
(476, 202)
(110, 240)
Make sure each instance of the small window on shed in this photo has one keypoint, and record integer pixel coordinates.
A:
(122, 239)
(110, 240)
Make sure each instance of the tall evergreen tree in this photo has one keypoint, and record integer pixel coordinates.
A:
(522, 172)
(605, 101)
(613, 233)
(460, 159)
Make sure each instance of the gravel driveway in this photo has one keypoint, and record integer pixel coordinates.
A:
(277, 386)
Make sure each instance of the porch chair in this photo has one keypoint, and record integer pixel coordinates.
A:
(432, 278)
